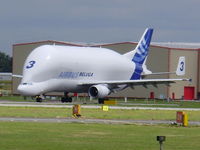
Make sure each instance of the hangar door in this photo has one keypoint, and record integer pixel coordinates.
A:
(189, 92)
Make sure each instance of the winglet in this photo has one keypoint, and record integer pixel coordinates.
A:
(180, 71)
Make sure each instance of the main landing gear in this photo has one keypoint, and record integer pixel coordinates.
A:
(101, 100)
(66, 98)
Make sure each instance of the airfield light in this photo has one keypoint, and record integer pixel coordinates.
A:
(161, 139)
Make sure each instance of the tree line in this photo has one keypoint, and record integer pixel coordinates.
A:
(5, 62)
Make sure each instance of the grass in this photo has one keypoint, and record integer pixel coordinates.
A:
(51, 136)
(75, 136)
(162, 103)
(38, 112)
(17, 98)
(20, 98)
(139, 114)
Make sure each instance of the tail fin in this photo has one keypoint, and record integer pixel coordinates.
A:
(180, 71)
(140, 53)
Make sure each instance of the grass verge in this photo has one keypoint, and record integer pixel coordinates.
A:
(62, 136)
(38, 112)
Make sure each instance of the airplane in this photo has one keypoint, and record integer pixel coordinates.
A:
(93, 70)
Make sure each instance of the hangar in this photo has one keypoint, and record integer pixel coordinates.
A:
(163, 57)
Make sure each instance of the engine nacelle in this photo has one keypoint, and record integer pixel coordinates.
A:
(98, 91)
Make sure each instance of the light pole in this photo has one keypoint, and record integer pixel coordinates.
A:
(161, 139)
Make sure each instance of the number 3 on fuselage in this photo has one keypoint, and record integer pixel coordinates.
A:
(30, 64)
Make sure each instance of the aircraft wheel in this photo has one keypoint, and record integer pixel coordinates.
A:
(38, 99)
(101, 100)
(63, 99)
(66, 99)
(69, 99)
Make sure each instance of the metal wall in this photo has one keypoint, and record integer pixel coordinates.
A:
(191, 57)
(198, 75)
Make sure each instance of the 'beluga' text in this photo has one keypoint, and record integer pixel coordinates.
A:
(74, 75)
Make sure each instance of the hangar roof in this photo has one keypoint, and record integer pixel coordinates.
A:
(179, 45)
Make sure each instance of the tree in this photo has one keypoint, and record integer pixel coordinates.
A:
(5, 63)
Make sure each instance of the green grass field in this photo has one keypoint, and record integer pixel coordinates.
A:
(76, 136)
(62, 136)
(38, 112)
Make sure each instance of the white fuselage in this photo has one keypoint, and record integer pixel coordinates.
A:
(51, 68)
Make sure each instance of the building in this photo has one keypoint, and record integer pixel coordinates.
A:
(163, 57)
(5, 76)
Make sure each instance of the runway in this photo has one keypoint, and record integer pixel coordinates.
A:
(50, 105)
(99, 121)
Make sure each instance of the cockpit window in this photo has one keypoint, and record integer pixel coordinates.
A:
(26, 83)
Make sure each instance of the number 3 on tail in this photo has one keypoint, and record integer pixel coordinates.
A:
(182, 66)
(30, 64)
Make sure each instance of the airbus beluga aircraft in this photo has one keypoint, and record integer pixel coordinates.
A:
(96, 71)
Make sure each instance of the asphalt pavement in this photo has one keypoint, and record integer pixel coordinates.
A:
(50, 105)
(100, 121)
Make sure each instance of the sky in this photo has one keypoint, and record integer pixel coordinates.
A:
(97, 21)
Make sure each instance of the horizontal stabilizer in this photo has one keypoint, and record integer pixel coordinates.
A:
(12, 75)
(17, 76)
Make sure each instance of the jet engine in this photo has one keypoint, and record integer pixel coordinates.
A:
(98, 91)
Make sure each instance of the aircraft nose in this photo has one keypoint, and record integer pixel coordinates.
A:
(27, 90)
(22, 89)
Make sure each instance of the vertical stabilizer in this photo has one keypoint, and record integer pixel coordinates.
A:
(140, 53)
(180, 71)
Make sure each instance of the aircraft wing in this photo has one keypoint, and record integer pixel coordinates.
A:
(142, 82)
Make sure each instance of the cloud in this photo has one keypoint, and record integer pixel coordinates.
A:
(93, 21)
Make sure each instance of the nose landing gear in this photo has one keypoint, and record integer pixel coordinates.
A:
(39, 98)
